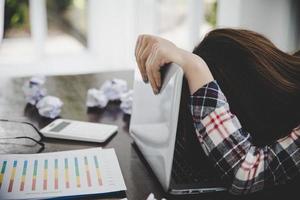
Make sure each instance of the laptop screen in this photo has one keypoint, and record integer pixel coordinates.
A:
(154, 120)
(161, 122)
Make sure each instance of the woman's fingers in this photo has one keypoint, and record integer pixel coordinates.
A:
(152, 82)
(155, 68)
(141, 64)
(152, 67)
(149, 72)
(137, 49)
(143, 58)
(137, 46)
(157, 78)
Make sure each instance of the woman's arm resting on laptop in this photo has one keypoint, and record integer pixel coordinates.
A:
(153, 52)
(250, 168)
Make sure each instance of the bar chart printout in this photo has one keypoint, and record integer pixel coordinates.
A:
(60, 174)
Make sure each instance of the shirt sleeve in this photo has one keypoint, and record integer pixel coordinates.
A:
(249, 168)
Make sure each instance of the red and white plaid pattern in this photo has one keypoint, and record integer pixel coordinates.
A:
(249, 168)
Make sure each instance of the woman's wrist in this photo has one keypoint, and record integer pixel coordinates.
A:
(188, 61)
(195, 70)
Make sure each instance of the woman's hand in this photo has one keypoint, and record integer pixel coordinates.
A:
(153, 52)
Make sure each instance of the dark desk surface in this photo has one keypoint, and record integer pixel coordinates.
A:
(72, 90)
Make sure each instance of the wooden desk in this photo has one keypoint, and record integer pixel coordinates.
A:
(72, 91)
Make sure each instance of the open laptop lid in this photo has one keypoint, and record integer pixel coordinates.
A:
(154, 120)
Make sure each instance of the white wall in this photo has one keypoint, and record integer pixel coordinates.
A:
(228, 14)
(276, 19)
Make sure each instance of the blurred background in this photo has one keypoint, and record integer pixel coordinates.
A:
(55, 37)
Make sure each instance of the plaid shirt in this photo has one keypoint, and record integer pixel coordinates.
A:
(249, 168)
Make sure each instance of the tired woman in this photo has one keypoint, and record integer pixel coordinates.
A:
(245, 103)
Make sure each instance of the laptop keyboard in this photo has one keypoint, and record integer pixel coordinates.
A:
(190, 164)
(183, 171)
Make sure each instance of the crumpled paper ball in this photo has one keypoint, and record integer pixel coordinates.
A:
(113, 89)
(96, 98)
(49, 106)
(126, 102)
(34, 89)
(39, 80)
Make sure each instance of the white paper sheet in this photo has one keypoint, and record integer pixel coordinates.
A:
(58, 174)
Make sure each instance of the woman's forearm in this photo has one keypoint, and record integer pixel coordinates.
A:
(195, 70)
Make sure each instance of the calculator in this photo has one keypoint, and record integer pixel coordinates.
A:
(79, 130)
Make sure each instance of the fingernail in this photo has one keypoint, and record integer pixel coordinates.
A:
(156, 91)
(145, 80)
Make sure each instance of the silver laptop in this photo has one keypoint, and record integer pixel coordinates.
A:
(162, 128)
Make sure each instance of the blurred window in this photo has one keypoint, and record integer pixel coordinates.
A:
(69, 36)
(16, 19)
(175, 19)
(173, 14)
(67, 17)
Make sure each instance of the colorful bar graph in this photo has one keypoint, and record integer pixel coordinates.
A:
(88, 175)
(77, 172)
(56, 174)
(60, 175)
(12, 176)
(45, 181)
(24, 171)
(67, 179)
(3, 168)
(98, 170)
(34, 175)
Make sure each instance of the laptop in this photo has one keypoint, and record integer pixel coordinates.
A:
(162, 129)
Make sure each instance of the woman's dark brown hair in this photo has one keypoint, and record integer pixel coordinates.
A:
(261, 82)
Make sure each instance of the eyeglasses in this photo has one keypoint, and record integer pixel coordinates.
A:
(19, 137)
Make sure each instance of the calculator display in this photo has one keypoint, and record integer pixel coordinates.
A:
(60, 126)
